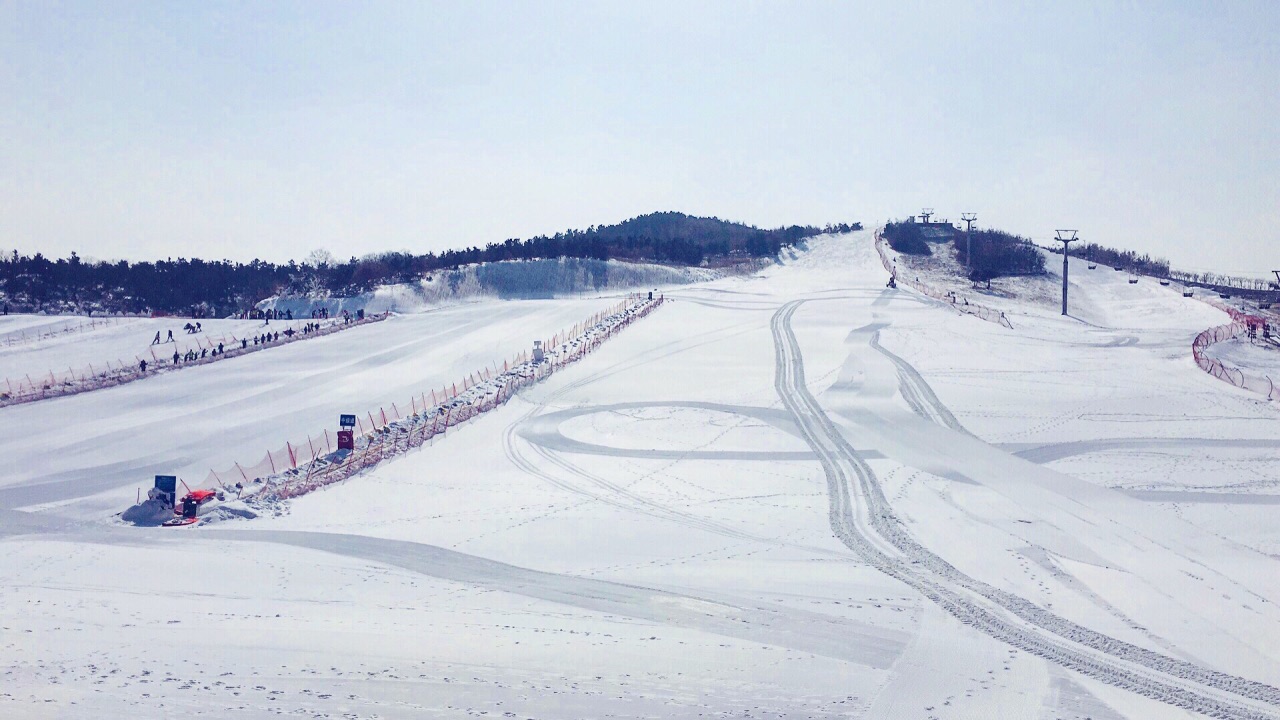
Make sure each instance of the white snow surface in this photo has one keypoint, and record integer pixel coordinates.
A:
(777, 496)
(508, 279)
(1259, 356)
(120, 341)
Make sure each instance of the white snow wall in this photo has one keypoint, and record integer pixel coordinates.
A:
(514, 279)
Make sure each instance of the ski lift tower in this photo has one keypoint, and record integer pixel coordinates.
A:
(1066, 237)
(926, 213)
(968, 219)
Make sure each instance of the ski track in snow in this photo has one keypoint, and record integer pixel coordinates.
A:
(870, 528)
(590, 522)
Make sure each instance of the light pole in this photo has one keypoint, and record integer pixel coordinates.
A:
(968, 219)
(1066, 237)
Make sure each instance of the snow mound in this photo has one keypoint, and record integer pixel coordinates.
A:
(147, 513)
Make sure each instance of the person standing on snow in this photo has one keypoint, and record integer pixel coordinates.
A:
(157, 340)
(170, 339)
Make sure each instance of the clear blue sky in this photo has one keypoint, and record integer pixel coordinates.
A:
(268, 129)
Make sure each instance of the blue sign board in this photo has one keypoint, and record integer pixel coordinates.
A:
(347, 420)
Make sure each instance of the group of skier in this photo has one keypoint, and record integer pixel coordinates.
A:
(190, 328)
(260, 339)
(267, 315)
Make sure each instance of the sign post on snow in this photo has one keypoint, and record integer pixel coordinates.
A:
(346, 438)
(166, 490)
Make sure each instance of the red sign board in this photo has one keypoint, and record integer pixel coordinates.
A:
(346, 440)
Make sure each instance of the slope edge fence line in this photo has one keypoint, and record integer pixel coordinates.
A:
(20, 337)
(70, 382)
(1242, 325)
(299, 468)
(979, 311)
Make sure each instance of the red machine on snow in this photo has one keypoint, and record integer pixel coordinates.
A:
(187, 509)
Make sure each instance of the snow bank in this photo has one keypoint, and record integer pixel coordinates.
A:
(508, 280)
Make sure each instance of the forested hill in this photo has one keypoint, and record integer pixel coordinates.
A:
(220, 287)
(663, 237)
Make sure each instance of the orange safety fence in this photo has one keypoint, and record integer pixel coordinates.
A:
(300, 467)
(1240, 326)
(54, 384)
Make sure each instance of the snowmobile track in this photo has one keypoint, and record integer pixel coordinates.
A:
(871, 529)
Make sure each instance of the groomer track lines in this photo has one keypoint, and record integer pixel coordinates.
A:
(864, 521)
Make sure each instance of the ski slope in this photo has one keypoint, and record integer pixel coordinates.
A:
(798, 494)
(120, 341)
(1260, 356)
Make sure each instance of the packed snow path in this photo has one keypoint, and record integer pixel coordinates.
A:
(869, 528)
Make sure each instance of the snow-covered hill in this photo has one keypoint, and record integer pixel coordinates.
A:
(508, 280)
(795, 494)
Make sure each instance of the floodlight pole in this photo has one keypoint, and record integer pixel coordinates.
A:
(1066, 237)
(968, 219)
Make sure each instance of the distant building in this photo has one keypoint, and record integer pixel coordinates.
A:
(935, 231)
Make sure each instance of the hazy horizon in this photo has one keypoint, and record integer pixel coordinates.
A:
(240, 131)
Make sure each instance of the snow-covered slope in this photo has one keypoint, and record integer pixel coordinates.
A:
(118, 341)
(508, 280)
(796, 494)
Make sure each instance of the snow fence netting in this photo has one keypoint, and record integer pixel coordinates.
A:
(1242, 325)
(15, 391)
(302, 466)
(961, 305)
(22, 336)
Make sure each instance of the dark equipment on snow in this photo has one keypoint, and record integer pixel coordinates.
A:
(166, 490)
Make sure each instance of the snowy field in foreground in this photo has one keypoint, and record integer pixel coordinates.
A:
(654, 531)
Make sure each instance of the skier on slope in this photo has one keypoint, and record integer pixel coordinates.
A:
(170, 338)
(157, 340)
